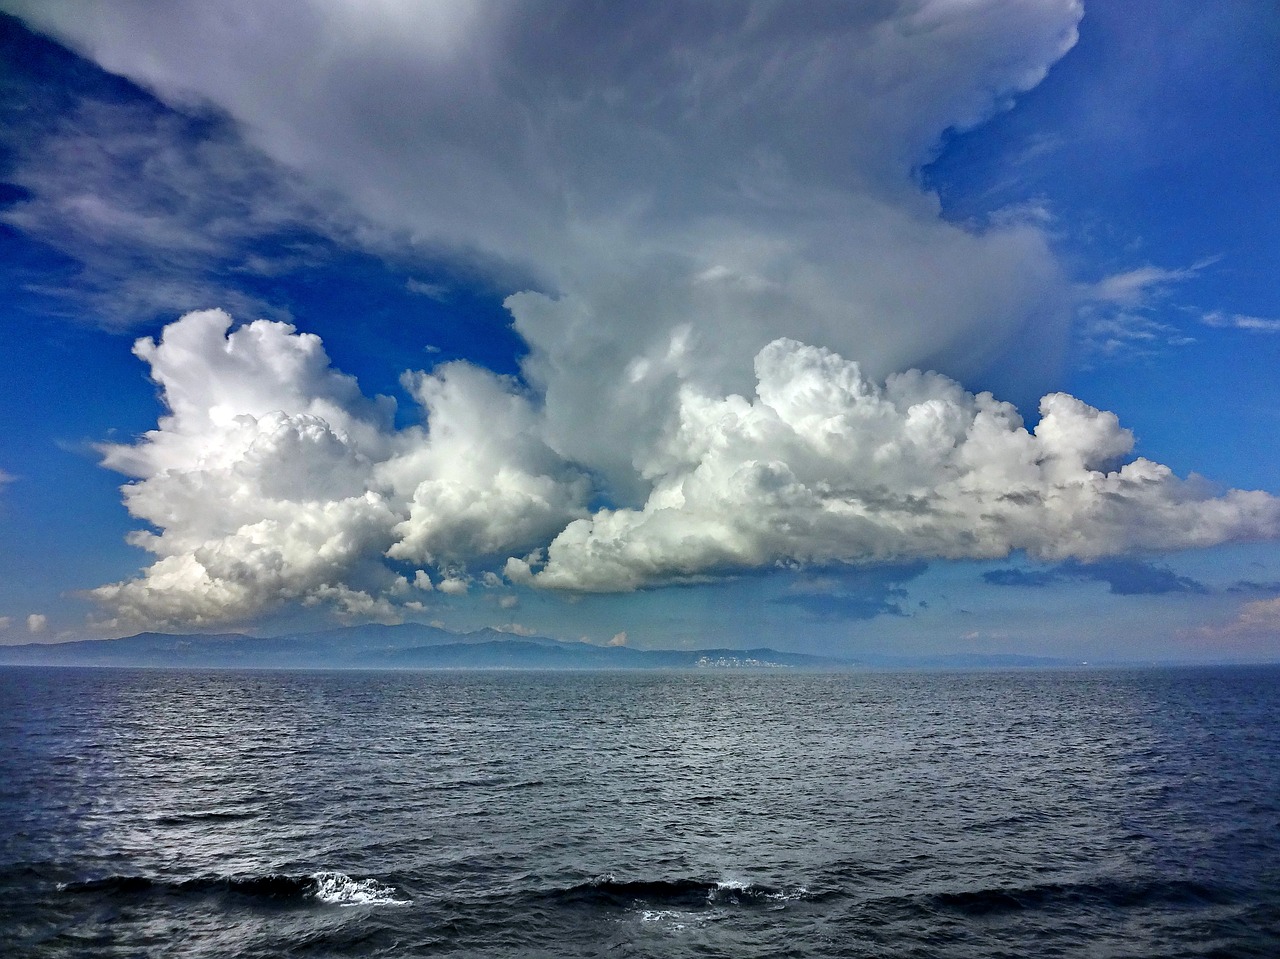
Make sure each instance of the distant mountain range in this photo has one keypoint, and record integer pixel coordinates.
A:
(415, 646)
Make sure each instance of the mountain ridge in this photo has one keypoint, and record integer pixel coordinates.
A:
(419, 646)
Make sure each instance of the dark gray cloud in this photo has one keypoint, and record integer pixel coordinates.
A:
(1124, 577)
(1022, 577)
(1252, 586)
(854, 594)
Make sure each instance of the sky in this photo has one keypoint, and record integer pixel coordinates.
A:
(908, 327)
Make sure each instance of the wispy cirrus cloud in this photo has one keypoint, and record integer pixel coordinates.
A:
(1121, 317)
(1124, 335)
(1238, 321)
(1139, 287)
(155, 212)
(1124, 316)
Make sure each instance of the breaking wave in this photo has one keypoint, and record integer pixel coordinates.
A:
(330, 888)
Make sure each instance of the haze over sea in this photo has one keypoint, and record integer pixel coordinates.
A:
(682, 813)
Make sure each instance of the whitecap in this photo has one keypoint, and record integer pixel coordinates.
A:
(736, 891)
(339, 889)
(789, 895)
(671, 918)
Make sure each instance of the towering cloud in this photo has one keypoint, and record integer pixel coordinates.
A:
(258, 479)
(716, 209)
(822, 465)
(274, 480)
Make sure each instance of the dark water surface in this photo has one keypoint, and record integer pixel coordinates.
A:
(1097, 814)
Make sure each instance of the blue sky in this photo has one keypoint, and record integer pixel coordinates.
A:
(611, 274)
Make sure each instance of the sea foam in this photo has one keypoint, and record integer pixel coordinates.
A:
(339, 889)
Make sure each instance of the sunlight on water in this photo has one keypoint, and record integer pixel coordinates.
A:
(511, 814)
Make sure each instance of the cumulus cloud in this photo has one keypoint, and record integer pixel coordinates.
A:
(1258, 620)
(273, 479)
(715, 208)
(37, 623)
(485, 483)
(258, 479)
(823, 465)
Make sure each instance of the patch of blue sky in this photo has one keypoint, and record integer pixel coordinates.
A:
(1155, 142)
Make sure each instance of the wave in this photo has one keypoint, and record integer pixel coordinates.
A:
(200, 817)
(608, 891)
(330, 888)
(1115, 893)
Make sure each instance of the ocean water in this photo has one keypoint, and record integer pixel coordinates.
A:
(1030, 814)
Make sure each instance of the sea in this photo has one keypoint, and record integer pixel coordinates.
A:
(700, 813)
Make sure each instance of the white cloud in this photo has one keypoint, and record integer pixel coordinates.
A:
(484, 483)
(353, 605)
(454, 586)
(1259, 619)
(1236, 321)
(37, 623)
(619, 639)
(1135, 288)
(258, 480)
(825, 466)
(273, 480)
(1126, 335)
(1116, 318)
(432, 291)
